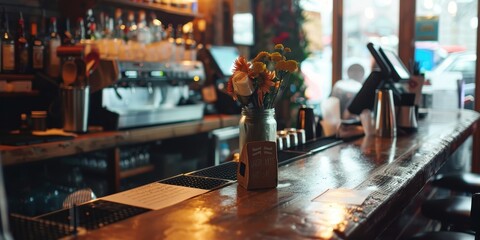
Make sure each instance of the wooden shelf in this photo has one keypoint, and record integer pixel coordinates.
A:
(155, 7)
(16, 77)
(32, 93)
(89, 142)
(136, 171)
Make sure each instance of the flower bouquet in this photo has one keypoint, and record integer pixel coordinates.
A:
(259, 83)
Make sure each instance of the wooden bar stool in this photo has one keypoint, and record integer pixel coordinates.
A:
(445, 235)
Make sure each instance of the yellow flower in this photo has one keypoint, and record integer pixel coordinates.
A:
(260, 56)
(279, 46)
(281, 65)
(290, 65)
(262, 76)
(258, 67)
(276, 56)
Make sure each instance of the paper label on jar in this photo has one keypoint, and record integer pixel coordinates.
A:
(8, 56)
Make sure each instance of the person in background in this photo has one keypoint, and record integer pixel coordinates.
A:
(346, 89)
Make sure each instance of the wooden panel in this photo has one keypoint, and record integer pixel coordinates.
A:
(406, 32)
(337, 41)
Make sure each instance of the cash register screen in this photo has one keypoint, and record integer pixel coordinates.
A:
(224, 57)
(399, 71)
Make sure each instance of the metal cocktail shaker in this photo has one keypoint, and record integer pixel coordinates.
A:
(75, 101)
(385, 122)
(306, 121)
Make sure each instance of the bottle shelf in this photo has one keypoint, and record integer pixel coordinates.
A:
(156, 7)
(32, 93)
(16, 77)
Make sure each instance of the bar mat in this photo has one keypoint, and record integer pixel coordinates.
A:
(28, 228)
(196, 182)
(96, 214)
(285, 157)
(317, 145)
(27, 139)
(226, 171)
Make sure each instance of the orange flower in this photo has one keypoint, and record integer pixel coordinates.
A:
(241, 64)
(265, 82)
(263, 75)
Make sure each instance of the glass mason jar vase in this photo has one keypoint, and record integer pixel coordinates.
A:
(257, 125)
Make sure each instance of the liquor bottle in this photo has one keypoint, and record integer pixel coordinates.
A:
(37, 49)
(108, 28)
(100, 25)
(67, 34)
(131, 27)
(190, 47)
(119, 28)
(8, 48)
(180, 44)
(80, 31)
(143, 32)
(90, 25)
(53, 61)
(42, 27)
(21, 48)
(171, 41)
(156, 30)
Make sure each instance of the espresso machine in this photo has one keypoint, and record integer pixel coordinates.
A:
(129, 94)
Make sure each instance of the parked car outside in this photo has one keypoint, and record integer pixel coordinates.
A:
(442, 87)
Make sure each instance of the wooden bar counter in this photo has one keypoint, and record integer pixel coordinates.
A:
(394, 170)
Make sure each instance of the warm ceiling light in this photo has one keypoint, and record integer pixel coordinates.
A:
(428, 4)
(157, 22)
(187, 27)
(202, 25)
